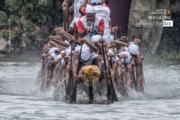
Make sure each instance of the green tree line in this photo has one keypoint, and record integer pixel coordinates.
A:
(30, 21)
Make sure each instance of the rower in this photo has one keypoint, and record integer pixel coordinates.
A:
(89, 75)
(76, 6)
(90, 25)
(137, 59)
(123, 69)
(50, 63)
(104, 12)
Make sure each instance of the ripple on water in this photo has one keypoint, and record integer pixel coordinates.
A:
(21, 99)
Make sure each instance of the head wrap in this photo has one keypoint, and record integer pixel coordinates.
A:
(63, 51)
(110, 51)
(133, 49)
(90, 9)
(89, 70)
(96, 38)
(91, 75)
(96, 1)
(126, 60)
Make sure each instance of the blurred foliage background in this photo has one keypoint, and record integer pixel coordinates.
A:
(28, 23)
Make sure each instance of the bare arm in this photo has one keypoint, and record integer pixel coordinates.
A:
(71, 31)
(92, 46)
(71, 10)
(80, 75)
(61, 43)
(65, 3)
(61, 47)
(117, 42)
(44, 56)
(99, 32)
(83, 33)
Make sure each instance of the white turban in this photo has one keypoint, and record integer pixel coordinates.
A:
(63, 51)
(110, 51)
(67, 42)
(133, 49)
(52, 50)
(96, 1)
(126, 60)
(90, 9)
(96, 38)
(56, 57)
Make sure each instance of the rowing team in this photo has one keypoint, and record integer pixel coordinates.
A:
(85, 57)
(119, 57)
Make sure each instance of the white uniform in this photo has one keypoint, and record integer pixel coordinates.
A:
(68, 50)
(133, 49)
(52, 53)
(104, 12)
(86, 53)
(94, 25)
(128, 59)
(111, 51)
(56, 57)
(67, 42)
(96, 38)
(77, 5)
(52, 50)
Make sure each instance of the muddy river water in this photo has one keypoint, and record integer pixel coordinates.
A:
(21, 99)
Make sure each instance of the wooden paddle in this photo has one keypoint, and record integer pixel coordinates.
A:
(74, 89)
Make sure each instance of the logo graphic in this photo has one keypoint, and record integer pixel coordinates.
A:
(168, 11)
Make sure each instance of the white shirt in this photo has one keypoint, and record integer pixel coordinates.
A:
(77, 5)
(126, 60)
(86, 52)
(56, 57)
(52, 50)
(68, 50)
(94, 25)
(133, 49)
(104, 12)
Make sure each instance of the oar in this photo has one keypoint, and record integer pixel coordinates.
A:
(125, 66)
(108, 88)
(42, 67)
(133, 77)
(111, 93)
(74, 90)
(69, 87)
